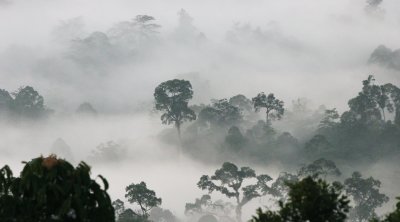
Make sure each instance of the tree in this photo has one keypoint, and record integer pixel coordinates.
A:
(372, 101)
(135, 33)
(242, 102)
(186, 32)
(366, 195)
(5, 101)
(119, 207)
(317, 145)
(330, 119)
(51, 189)
(221, 113)
(158, 214)
(172, 97)
(235, 139)
(280, 185)
(309, 200)
(228, 180)
(62, 149)
(86, 109)
(395, 98)
(320, 167)
(28, 103)
(274, 107)
(144, 197)
(204, 205)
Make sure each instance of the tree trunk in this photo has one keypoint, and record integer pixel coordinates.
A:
(383, 113)
(178, 128)
(239, 213)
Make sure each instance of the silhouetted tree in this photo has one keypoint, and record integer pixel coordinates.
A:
(220, 113)
(204, 205)
(172, 98)
(228, 180)
(371, 102)
(119, 207)
(28, 103)
(366, 195)
(242, 102)
(5, 101)
(309, 201)
(135, 33)
(330, 119)
(280, 185)
(51, 189)
(142, 196)
(274, 107)
(320, 167)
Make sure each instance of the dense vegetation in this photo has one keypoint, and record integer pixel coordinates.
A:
(229, 129)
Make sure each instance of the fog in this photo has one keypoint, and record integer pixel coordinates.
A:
(71, 52)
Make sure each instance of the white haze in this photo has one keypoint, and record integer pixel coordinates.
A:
(319, 51)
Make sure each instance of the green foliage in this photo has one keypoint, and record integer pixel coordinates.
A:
(142, 196)
(366, 196)
(274, 107)
(309, 200)
(51, 189)
(172, 98)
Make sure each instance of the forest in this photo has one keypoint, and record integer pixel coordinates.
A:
(199, 112)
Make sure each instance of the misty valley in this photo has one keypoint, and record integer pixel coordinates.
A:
(179, 112)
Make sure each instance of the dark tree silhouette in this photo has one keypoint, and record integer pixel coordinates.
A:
(142, 196)
(309, 200)
(274, 107)
(320, 168)
(228, 180)
(366, 195)
(220, 113)
(172, 98)
(51, 189)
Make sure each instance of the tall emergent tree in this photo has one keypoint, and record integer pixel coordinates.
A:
(366, 195)
(309, 200)
(274, 107)
(172, 98)
(51, 189)
(142, 196)
(228, 180)
(372, 101)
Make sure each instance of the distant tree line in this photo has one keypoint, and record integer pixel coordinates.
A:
(231, 129)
